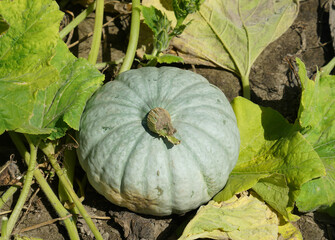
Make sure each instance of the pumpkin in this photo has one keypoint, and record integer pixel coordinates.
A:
(158, 140)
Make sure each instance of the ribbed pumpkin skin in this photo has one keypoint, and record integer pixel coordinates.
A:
(137, 169)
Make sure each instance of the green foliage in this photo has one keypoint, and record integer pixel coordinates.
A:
(317, 122)
(162, 29)
(25, 52)
(274, 156)
(160, 26)
(43, 91)
(43, 87)
(182, 8)
(285, 164)
(163, 58)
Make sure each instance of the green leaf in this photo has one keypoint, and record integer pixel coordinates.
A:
(276, 156)
(43, 87)
(30, 41)
(61, 104)
(275, 191)
(238, 218)
(317, 120)
(238, 183)
(164, 6)
(160, 26)
(25, 52)
(235, 32)
(164, 58)
(182, 8)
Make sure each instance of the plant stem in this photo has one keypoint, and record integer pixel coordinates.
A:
(9, 192)
(133, 37)
(49, 151)
(325, 70)
(65, 31)
(99, 14)
(61, 211)
(69, 163)
(4, 223)
(25, 189)
(245, 86)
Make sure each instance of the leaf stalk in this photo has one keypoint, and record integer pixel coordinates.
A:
(25, 189)
(133, 37)
(9, 192)
(245, 86)
(73, 24)
(4, 223)
(49, 150)
(99, 14)
(61, 211)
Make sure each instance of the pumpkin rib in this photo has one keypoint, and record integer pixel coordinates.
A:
(150, 95)
(226, 153)
(161, 82)
(197, 160)
(198, 95)
(132, 90)
(206, 108)
(200, 130)
(146, 189)
(182, 90)
(109, 102)
(107, 132)
(126, 165)
(118, 114)
(96, 146)
(170, 174)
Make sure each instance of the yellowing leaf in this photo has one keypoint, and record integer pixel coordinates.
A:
(238, 218)
(289, 232)
(25, 52)
(235, 32)
(43, 87)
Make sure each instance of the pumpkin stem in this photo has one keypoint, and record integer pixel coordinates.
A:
(159, 121)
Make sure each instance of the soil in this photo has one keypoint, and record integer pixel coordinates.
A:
(273, 84)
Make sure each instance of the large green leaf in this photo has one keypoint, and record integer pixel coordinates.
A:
(43, 87)
(25, 52)
(274, 157)
(61, 104)
(317, 120)
(235, 32)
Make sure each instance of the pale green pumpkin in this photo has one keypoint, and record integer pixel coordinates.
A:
(178, 168)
